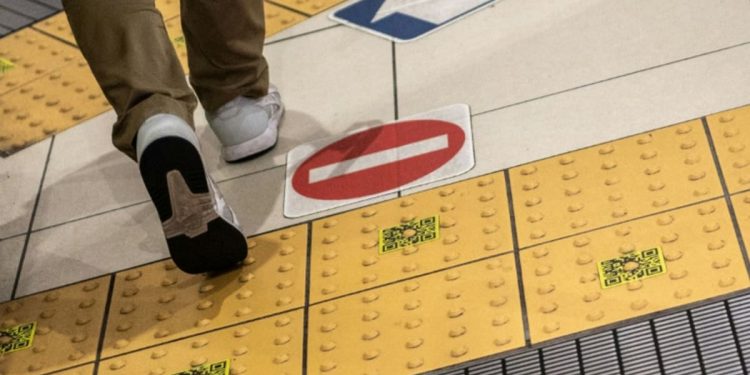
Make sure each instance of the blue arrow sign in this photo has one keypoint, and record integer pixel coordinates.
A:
(405, 20)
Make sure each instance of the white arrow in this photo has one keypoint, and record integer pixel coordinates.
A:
(434, 11)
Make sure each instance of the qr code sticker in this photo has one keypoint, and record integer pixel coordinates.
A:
(412, 233)
(5, 65)
(218, 368)
(631, 267)
(17, 338)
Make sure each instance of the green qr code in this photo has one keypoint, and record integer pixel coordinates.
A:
(17, 338)
(409, 234)
(218, 368)
(631, 267)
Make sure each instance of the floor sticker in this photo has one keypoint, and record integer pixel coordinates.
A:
(405, 20)
(417, 150)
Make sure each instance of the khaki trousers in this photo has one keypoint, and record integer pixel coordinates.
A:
(126, 45)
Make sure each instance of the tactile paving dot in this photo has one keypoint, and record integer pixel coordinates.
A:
(69, 321)
(420, 324)
(174, 31)
(278, 18)
(33, 56)
(562, 289)
(474, 223)
(730, 131)
(612, 183)
(158, 302)
(309, 7)
(268, 346)
(58, 26)
(51, 104)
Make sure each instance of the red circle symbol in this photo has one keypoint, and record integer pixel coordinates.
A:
(378, 160)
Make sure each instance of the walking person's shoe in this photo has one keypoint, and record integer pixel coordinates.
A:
(246, 127)
(202, 231)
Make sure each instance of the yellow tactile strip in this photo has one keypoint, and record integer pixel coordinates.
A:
(614, 182)
(309, 7)
(730, 131)
(279, 19)
(268, 346)
(158, 302)
(741, 204)
(703, 259)
(174, 31)
(421, 324)
(33, 55)
(69, 322)
(474, 223)
(58, 26)
(49, 105)
(82, 370)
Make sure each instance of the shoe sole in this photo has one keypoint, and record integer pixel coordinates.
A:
(201, 240)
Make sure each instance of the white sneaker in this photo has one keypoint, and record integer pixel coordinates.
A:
(202, 232)
(247, 126)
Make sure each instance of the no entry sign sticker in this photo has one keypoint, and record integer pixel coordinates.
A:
(413, 151)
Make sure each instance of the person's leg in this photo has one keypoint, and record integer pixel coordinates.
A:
(129, 52)
(230, 75)
(224, 42)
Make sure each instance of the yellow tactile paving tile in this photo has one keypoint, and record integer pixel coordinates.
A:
(49, 105)
(158, 302)
(730, 131)
(279, 19)
(421, 324)
(474, 223)
(174, 31)
(32, 55)
(741, 204)
(309, 7)
(68, 323)
(168, 8)
(58, 26)
(563, 294)
(268, 346)
(612, 183)
(82, 370)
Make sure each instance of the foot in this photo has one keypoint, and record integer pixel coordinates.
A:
(202, 232)
(247, 127)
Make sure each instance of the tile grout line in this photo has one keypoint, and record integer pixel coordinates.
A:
(105, 320)
(611, 78)
(31, 221)
(727, 196)
(306, 317)
(735, 336)
(694, 333)
(659, 359)
(301, 34)
(399, 193)
(517, 260)
(287, 7)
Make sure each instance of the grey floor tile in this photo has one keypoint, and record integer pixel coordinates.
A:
(29, 8)
(10, 255)
(91, 247)
(20, 176)
(13, 20)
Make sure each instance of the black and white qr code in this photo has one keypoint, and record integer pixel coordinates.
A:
(218, 368)
(17, 338)
(630, 267)
(409, 234)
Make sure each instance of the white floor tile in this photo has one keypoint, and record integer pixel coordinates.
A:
(20, 176)
(90, 247)
(87, 175)
(331, 82)
(10, 255)
(522, 49)
(258, 201)
(610, 110)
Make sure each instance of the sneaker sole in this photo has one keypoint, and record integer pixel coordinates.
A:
(205, 241)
